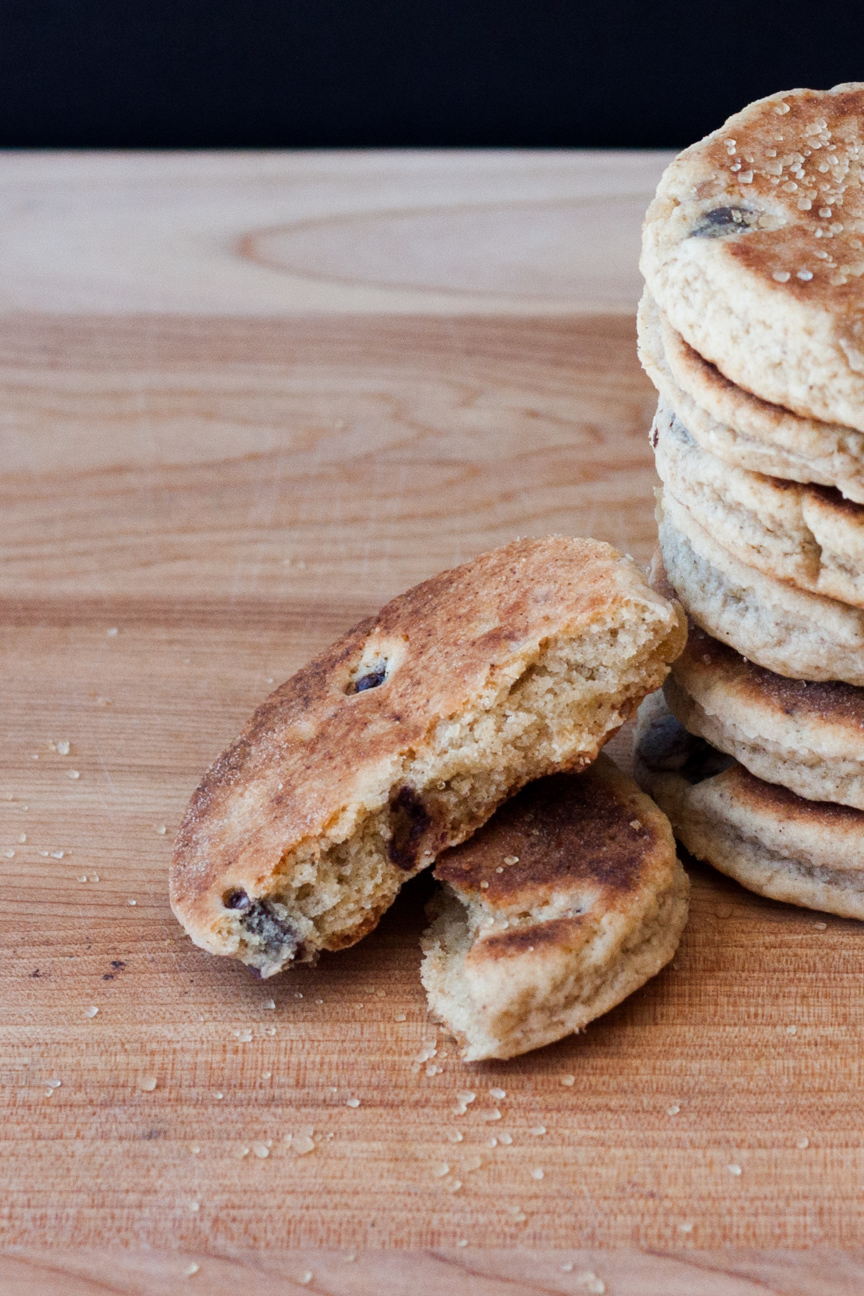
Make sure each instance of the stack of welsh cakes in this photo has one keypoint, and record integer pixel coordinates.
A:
(752, 330)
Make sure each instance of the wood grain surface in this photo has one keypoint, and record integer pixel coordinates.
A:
(221, 446)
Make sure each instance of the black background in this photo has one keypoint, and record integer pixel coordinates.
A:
(393, 73)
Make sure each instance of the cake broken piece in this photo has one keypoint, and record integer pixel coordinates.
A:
(568, 900)
(402, 739)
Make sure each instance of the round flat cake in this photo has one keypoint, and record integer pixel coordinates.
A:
(805, 735)
(786, 629)
(808, 536)
(567, 901)
(753, 249)
(739, 428)
(807, 853)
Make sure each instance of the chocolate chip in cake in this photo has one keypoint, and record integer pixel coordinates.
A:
(370, 680)
(236, 900)
(410, 821)
(723, 221)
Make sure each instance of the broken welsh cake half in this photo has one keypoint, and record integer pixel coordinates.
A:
(569, 899)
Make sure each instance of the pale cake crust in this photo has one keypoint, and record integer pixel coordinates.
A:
(806, 853)
(403, 737)
(568, 900)
(785, 629)
(739, 428)
(807, 736)
(753, 248)
(809, 536)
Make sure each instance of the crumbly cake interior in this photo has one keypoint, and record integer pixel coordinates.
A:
(563, 704)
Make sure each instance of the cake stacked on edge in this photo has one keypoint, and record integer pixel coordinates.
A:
(752, 330)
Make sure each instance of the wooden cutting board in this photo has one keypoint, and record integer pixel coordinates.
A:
(243, 400)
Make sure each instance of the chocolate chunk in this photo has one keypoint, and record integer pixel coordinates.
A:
(236, 900)
(723, 221)
(370, 681)
(410, 821)
(276, 935)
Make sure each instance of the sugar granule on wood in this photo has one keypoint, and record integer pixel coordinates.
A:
(589, 1280)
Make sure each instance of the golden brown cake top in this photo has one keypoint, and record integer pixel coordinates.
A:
(591, 839)
(782, 185)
